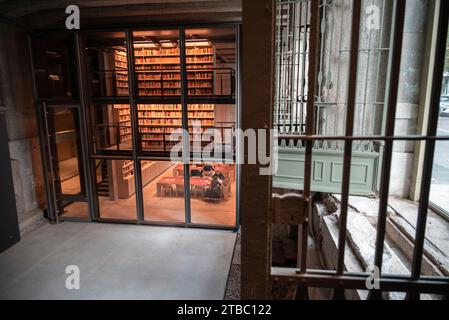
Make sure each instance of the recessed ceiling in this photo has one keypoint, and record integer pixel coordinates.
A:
(50, 14)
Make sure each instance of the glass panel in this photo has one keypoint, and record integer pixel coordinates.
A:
(111, 126)
(439, 189)
(52, 68)
(160, 126)
(116, 189)
(106, 63)
(163, 191)
(65, 121)
(157, 63)
(75, 210)
(213, 193)
(440, 175)
(211, 61)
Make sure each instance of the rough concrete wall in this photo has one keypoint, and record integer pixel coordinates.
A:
(16, 90)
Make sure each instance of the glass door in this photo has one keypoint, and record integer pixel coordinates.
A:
(65, 168)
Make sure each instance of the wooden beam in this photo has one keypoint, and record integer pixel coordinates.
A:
(257, 81)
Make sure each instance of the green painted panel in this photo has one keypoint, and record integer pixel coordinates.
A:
(327, 166)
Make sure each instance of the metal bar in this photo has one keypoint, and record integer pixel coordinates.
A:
(365, 89)
(185, 124)
(440, 55)
(50, 161)
(313, 54)
(326, 279)
(352, 87)
(41, 130)
(238, 119)
(367, 138)
(135, 127)
(391, 100)
(293, 59)
(303, 77)
(87, 148)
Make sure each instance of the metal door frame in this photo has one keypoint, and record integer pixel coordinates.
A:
(55, 197)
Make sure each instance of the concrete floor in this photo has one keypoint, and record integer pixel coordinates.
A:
(118, 262)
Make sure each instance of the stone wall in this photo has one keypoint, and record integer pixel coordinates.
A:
(409, 95)
(372, 78)
(16, 90)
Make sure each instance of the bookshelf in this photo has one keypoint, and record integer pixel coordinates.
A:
(160, 126)
(158, 122)
(121, 73)
(158, 69)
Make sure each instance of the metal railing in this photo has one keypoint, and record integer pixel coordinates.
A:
(339, 280)
(292, 47)
(114, 83)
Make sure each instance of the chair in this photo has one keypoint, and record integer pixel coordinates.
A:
(167, 190)
(179, 191)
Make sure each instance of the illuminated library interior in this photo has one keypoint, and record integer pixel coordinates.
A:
(177, 85)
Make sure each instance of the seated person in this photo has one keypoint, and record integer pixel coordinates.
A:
(208, 170)
(215, 191)
(221, 178)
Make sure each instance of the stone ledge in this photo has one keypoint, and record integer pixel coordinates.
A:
(401, 222)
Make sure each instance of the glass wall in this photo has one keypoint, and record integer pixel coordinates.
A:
(111, 127)
(163, 191)
(66, 124)
(211, 61)
(53, 72)
(213, 193)
(157, 63)
(439, 190)
(106, 63)
(155, 123)
(115, 183)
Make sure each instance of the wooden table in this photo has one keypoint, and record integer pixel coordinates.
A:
(198, 185)
(226, 169)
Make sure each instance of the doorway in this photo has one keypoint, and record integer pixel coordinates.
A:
(65, 165)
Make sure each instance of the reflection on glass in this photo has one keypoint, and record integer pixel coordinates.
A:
(157, 63)
(107, 63)
(75, 210)
(116, 189)
(439, 190)
(52, 68)
(211, 61)
(65, 126)
(111, 126)
(213, 193)
(163, 191)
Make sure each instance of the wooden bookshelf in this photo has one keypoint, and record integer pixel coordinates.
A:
(158, 70)
(121, 73)
(157, 123)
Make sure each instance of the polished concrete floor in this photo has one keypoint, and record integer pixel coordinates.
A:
(118, 262)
